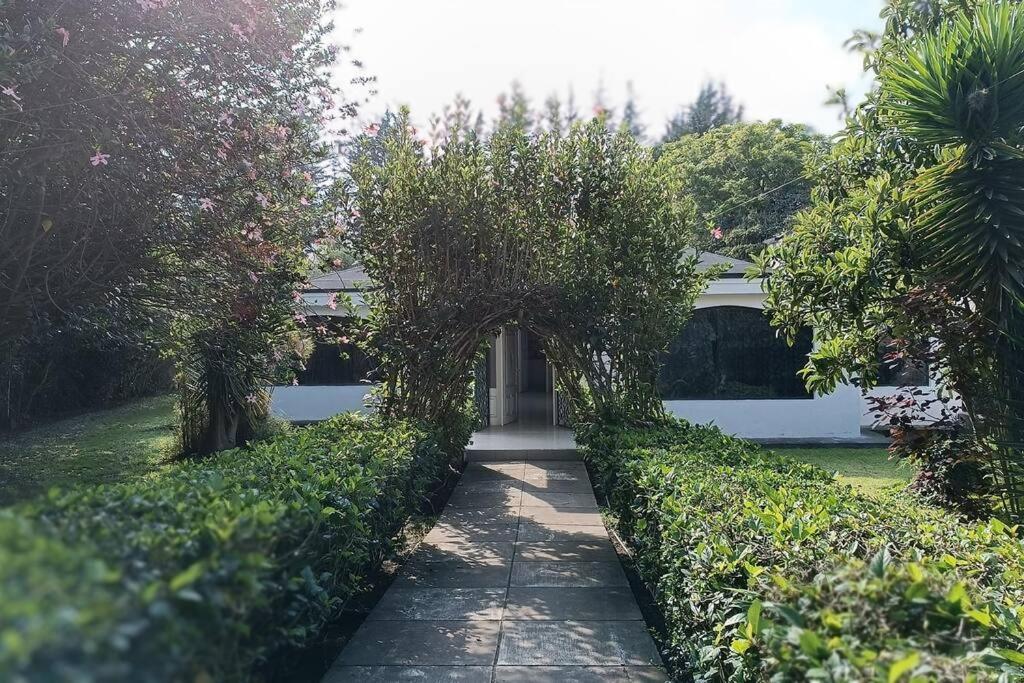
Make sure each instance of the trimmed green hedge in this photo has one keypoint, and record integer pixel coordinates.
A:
(768, 569)
(206, 568)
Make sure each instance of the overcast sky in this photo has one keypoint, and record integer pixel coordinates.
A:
(775, 56)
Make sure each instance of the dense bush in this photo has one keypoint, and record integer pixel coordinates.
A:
(204, 569)
(61, 368)
(766, 568)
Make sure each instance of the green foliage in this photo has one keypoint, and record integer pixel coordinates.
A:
(768, 569)
(729, 173)
(579, 238)
(168, 159)
(206, 568)
(915, 231)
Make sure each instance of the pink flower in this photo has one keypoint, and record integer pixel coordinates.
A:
(332, 302)
(251, 231)
(64, 34)
(263, 200)
(205, 204)
(304, 201)
(344, 340)
(299, 318)
(99, 158)
(240, 32)
(252, 398)
(297, 297)
(717, 233)
(320, 329)
(295, 382)
(372, 129)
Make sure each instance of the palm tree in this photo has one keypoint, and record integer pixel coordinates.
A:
(957, 96)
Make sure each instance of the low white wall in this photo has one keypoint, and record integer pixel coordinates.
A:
(835, 416)
(919, 418)
(310, 403)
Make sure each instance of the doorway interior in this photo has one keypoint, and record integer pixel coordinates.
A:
(521, 380)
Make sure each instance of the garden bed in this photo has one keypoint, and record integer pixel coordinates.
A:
(766, 567)
(205, 569)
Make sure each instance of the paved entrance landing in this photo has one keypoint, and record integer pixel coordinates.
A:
(517, 582)
(522, 440)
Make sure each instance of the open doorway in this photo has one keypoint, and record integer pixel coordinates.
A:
(519, 379)
(535, 395)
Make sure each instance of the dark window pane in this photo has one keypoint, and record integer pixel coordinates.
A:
(730, 352)
(336, 365)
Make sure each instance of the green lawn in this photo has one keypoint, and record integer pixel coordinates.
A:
(867, 469)
(93, 448)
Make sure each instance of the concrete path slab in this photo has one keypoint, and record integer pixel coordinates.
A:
(440, 604)
(565, 551)
(422, 643)
(568, 574)
(518, 581)
(579, 643)
(571, 604)
(579, 674)
(419, 674)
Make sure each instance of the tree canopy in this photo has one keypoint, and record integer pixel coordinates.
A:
(712, 108)
(914, 233)
(576, 237)
(747, 181)
(165, 158)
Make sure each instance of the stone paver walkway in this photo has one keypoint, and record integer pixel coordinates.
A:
(517, 582)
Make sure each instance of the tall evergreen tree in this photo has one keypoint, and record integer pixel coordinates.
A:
(552, 118)
(631, 114)
(713, 107)
(514, 109)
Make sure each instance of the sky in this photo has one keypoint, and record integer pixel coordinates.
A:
(777, 57)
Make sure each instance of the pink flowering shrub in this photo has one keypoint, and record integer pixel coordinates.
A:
(139, 137)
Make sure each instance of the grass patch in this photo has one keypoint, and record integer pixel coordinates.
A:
(867, 469)
(93, 448)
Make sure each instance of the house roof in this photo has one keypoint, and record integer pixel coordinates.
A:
(354, 278)
(737, 267)
(348, 280)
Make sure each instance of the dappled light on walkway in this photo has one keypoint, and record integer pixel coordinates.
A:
(518, 581)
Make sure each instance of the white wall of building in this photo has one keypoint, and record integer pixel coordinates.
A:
(836, 417)
(309, 404)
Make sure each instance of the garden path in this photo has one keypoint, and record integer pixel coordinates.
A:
(517, 582)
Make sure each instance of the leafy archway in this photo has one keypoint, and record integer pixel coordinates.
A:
(580, 238)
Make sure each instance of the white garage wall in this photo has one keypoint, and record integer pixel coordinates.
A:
(312, 403)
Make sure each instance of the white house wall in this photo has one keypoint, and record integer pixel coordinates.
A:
(313, 403)
(835, 417)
